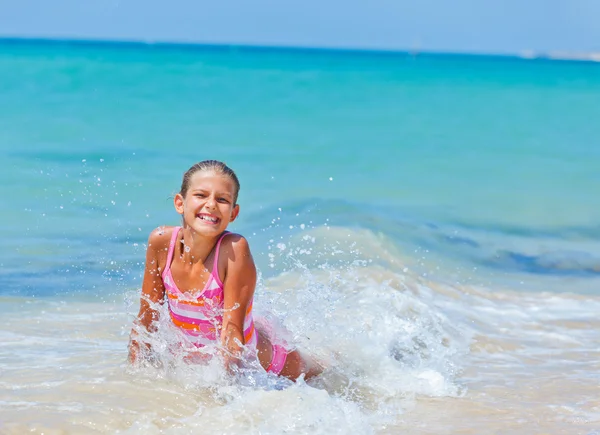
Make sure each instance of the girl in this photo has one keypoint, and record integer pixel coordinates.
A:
(207, 276)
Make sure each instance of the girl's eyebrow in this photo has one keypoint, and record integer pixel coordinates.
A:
(200, 189)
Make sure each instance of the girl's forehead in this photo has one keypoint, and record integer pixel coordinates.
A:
(208, 177)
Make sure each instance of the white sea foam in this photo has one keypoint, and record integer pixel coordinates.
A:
(393, 344)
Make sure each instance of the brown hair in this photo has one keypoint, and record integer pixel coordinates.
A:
(210, 165)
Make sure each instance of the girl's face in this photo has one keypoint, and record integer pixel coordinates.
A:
(208, 206)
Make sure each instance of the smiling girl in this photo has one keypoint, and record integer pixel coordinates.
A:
(207, 277)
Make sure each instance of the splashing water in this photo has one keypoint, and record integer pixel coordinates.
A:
(381, 344)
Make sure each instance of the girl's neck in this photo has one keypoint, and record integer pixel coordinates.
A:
(195, 247)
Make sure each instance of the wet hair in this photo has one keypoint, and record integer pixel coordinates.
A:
(210, 165)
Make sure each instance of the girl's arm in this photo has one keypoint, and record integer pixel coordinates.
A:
(239, 285)
(153, 292)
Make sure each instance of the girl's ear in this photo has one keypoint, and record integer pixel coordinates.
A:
(234, 213)
(178, 202)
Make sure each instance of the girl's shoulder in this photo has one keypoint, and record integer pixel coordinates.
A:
(160, 238)
(233, 240)
(233, 245)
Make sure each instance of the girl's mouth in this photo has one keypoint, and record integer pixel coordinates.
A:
(208, 218)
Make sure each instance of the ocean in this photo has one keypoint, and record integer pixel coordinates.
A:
(426, 225)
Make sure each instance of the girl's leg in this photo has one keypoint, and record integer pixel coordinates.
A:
(296, 363)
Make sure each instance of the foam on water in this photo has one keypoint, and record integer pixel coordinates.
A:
(394, 345)
(381, 344)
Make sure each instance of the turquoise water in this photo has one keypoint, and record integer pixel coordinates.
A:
(479, 171)
(489, 145)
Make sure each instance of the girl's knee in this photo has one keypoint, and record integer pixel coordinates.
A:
(298, 364)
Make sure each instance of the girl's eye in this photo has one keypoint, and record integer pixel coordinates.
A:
(200, 195)
(223, 200)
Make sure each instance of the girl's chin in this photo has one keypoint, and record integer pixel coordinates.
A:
(203, 228)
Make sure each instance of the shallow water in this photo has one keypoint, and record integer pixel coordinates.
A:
(425, 226)
(423, 358)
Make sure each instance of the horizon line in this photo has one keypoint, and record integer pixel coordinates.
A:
(531, 55)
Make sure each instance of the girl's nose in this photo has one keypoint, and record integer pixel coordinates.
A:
(210, 202)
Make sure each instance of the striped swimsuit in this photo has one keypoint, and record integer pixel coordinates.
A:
(200, 317)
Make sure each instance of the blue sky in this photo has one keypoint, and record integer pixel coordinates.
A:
(498, 26)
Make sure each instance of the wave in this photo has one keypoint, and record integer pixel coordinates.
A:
(389, 337)
(572, 251)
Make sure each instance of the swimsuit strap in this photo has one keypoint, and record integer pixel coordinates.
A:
(171, 248)
(215, 269)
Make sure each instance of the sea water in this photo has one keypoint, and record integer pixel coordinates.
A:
(425, 225)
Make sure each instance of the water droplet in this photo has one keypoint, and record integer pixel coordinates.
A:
(187, 249)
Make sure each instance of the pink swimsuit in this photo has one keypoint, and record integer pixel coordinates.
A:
(200, 316)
